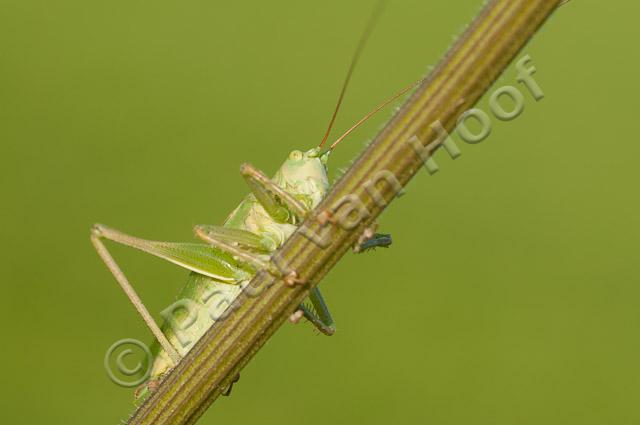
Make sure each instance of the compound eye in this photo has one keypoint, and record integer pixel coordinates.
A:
(295, 155)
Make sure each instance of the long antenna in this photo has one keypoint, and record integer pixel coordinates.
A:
(372, 113)
(361, 44)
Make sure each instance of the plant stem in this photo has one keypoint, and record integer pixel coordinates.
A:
(479, 56)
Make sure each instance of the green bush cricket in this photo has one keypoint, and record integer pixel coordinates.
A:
(232, 253)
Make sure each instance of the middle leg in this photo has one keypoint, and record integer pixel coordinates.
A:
(317, 313)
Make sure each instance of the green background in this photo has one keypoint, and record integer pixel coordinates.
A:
(510, 295)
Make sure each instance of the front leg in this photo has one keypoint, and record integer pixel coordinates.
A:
(275, 200)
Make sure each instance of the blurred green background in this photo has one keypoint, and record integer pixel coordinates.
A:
(510, 295)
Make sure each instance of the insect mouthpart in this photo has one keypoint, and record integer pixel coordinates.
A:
(324, 158)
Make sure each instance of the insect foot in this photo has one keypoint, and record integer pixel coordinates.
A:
(227, 392)
(369, 239)
(296, 317)
(325, 216)
(145, 390)
(291, 279)
(365, 237)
